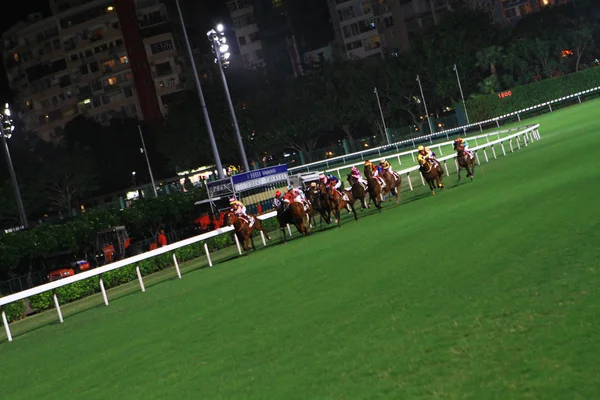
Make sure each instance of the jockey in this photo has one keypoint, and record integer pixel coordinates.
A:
(355, 173)
(425, 154)
(374, 172)
(334, 181)
(462, 144)
(298, 196)
(323, 179)
(239, 209)
(386, 166)
(277, 201)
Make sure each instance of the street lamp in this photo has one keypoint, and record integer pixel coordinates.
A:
(425, 105)
(211, 135)
(220, 48)
(387, 136)
(461, 94)
(7, 127)
(143, 150)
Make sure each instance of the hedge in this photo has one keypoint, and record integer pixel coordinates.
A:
(14, 311)
(490, 106)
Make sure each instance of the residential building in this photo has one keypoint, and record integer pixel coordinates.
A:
(511, 11)
(99, 58)
(247, 33)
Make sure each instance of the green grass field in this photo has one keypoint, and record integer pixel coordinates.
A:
(488, 290)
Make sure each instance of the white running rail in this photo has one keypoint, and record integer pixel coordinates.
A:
(527, 136)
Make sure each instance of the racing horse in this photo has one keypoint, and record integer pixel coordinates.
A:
(373, 188)
(317, 206)
(359, 192)
(433, 174)
(464, 161)
(243, 230)
(334, 202)
(392, 184)
(294, 214)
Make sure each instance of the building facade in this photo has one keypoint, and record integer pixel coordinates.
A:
(511, 11)
(101, 58)
(247, 33)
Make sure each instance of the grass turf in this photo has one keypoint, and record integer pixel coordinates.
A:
(485, 291)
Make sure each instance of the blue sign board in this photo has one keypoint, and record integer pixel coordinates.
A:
(260, 177)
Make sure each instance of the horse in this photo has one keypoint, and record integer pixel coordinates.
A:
(243, 230)
(333, 201)
(294, 214)
(318, 206)
(464, 161)
(392, 184)
(359, 192)
(373, 188)
(433, 174)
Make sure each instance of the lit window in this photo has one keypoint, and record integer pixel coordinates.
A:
(16, 57)
(123, 60)
(112, 80)
(109, 8)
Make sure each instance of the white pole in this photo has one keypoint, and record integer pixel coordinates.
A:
(60, 316)
(139, 274)
(485, 154)
(210, 264)
(494, 151)
(456, 164)
(461, 94)
(477, 157)
(6, 327)
(512, 150)
(422, 180)
(289, 230)
(409, 181)
(237, 243)
(503, 150)
(446, 166)
(176, 266)
(104, 296)
(425, 105)
(387, 136)
(262, 235)
(147, 161)
(441, 152)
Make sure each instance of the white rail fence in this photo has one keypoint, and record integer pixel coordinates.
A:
(530, 132)
(120, 264)
(526, 136)
(383, 149)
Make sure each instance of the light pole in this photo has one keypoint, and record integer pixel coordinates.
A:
(425, 104)
(133, 179)
(387, 136)
(211, 135)
(218, 41)
(6, 129)
(143, 149)
(461, 94)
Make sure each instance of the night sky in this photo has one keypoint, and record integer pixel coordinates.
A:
(212, 10)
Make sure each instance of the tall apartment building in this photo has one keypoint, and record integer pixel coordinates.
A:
(511, 11)
(246, 32)
(98, 58)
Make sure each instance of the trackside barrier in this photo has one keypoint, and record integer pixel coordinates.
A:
(438, 146)
(382, 149)
(52, 286)
(527, 135)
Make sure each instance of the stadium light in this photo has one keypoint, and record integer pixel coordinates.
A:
(220, 49)
(7, 128)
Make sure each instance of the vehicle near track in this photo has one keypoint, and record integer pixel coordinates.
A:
(114, 244)
(65, 263)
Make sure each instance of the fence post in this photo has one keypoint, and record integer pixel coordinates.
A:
(446, 166)
(485, 154)
(409, 181)
(579, 98)
(550, 107)
(456, 163)
(104, 296)
(412, 155)
(176, 265)
(440, 148)
(480, 128)
(262, 236)
(399, 161)
(139, 275)
(511, 146)
(518, 117)
(6, 327)
(422, 180)
(237, 243)
(498, 123)
(494, 152)
(502, 145)
(289, 230)
(210, 264)
(60, 316)
(477, 158)
(518, 143)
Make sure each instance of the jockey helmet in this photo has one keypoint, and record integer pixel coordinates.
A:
(354, 169)
(367, 162)
(313, 184)
(322, 176)
(420, 148)
(290, 187)
(232, 200)
(278, 194)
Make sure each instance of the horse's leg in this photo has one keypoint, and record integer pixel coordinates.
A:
(459, 169)
(354, 212)
(251, 240)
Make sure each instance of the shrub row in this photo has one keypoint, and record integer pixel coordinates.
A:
(490, 106)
